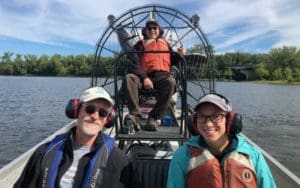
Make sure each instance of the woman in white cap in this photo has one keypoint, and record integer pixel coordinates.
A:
(82, 157)
(217, 156)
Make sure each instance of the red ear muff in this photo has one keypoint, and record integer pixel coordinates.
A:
(234, 123)
(192, 125)
(111, 119)
(72, 108)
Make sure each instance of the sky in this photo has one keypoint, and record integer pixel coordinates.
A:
(72, 27)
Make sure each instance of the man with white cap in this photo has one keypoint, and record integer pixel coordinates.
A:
(217, 156)
(82, 157)
(152, 71)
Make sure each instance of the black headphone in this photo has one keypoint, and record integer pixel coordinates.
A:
(234, 123)
(73, 108)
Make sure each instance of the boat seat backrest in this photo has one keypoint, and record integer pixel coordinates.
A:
(150, 173)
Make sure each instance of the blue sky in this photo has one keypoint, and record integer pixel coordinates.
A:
(74, 26)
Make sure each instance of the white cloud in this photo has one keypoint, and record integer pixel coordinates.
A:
(261, 16)
(53, 21)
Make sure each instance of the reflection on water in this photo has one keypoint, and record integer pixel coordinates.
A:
(33, 107)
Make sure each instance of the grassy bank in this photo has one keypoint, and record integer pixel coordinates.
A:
(276, 82)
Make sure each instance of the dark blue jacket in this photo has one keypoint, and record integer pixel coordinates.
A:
(116, 165)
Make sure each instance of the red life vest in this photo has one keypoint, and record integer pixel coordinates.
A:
(205, 170)
(151, 62)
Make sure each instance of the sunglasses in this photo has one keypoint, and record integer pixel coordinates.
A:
(152, 28)
(90, 109)
(215, 118)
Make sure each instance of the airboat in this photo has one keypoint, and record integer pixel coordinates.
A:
(151, 152)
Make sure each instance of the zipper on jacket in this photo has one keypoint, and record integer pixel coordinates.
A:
(223, 174)
(157, 47)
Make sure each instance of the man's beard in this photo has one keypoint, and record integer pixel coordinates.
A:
(88, 130)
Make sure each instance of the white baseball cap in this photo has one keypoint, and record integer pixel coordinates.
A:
(217, 100)
(96, 93)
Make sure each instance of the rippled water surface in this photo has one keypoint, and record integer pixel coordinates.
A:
(33, 107)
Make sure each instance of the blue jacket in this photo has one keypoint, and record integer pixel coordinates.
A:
(117, 165)
(179, 163)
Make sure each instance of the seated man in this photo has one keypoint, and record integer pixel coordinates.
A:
(82, 157)
(151, 72)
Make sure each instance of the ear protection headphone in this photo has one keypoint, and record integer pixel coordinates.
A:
(73, 108)
(234, 123)
(192, 124)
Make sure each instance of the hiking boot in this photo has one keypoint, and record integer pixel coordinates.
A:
(152, 124)
(132, 123)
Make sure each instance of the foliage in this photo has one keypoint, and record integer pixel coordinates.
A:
(279, 64)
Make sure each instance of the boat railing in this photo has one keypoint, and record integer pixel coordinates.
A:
(283, 176)
(11, 172)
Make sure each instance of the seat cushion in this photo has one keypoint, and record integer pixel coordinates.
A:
(150, 173)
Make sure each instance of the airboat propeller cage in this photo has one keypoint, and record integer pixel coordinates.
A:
(180, 30)
(114, 53)
(152, 20)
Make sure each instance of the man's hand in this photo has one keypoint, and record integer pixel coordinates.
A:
(181, 51)
(148, 84)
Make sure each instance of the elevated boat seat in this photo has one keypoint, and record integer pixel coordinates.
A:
(146, 103)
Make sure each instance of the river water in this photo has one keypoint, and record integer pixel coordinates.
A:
(32, 108)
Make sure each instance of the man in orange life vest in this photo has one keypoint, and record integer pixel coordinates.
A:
(217, 156)
(151, 72)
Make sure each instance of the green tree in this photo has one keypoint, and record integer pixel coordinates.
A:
(296, 74)
(6, 58)
(288, 74)
(277, 74)
(284, 57)
(44, 65)
(32, 64)
(81, 66)
(56, 66)
(20, 67)
(261, 71)
(69, 64)
(7, 66)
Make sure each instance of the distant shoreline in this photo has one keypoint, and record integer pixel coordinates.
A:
(275, 82)
(279, 82)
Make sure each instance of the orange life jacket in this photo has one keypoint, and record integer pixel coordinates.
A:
(205, 170)
(151, 62)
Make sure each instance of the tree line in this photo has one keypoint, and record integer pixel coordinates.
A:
(56, 65)
(278, 64)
